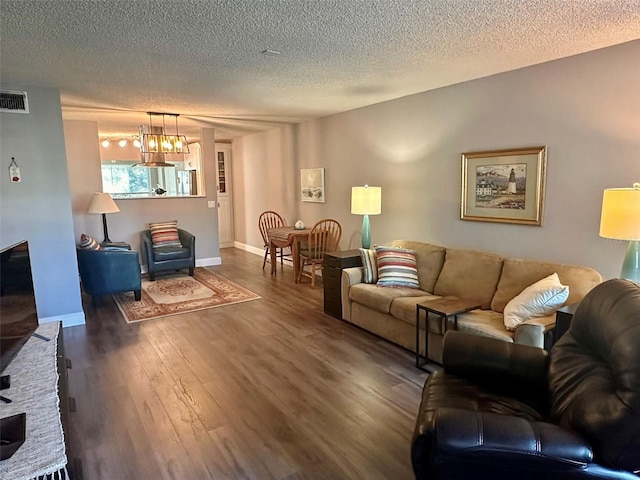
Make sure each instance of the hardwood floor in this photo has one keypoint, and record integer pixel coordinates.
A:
(268, 389)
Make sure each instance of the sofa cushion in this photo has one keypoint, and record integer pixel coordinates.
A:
(518, 274)
(469, 274)
(397, 267)
(165, 234)
(486, 323)
(404, 308)
(429, 261)
(87, 242)
(378, 298)
(369, 264)
(542, 298)
(163, 254)
(443, 390)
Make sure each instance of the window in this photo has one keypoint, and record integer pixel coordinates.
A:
(122, 180)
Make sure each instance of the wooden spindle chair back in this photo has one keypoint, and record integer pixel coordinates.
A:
(324, 237)
(267, 220)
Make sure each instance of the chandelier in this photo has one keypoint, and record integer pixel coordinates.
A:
(157, 140)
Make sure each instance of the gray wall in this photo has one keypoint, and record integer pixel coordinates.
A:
(85, 178)
(583, 108)
(38, 209)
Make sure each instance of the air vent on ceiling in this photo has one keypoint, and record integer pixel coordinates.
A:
(14, 102)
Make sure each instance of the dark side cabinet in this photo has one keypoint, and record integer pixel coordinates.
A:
(333, 265)
(563, 319)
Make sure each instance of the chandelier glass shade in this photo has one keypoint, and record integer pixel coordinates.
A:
(159, 141)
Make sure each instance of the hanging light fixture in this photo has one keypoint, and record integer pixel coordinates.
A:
(159, 141)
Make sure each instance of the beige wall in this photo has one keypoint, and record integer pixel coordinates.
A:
(193, 214)
(583, 108)
(265, 174)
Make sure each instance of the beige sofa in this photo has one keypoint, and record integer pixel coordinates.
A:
(489, 279)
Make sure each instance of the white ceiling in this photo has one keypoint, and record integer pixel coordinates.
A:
(115, 60)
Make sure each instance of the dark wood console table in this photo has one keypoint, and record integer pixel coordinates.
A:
(333, 265)
(564, 316)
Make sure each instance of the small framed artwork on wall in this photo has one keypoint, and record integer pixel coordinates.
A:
(312, 184)
(504, 186)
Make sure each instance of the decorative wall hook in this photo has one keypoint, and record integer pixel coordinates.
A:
(14, 171)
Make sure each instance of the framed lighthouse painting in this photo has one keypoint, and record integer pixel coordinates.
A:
(504, 186)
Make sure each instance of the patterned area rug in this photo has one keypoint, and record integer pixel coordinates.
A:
(180, 293)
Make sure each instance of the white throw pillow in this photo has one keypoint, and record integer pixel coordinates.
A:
(537, 300)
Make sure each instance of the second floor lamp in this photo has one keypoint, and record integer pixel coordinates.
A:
(620, 220)
(366, 201)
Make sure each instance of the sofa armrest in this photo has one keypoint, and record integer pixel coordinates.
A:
(464, 439)
(146, 246)
(110, 270)
(188, 241)
(350, 276)
(531, 332)
(497, 364)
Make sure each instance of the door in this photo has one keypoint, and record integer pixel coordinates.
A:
(224, 194)
(225, 222)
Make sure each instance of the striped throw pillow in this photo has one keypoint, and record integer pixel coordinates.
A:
(89, 243)
(397, 267)
(370, 265)
(165, 234)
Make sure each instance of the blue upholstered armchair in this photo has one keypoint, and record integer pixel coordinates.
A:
(169, 257)
(110, 270)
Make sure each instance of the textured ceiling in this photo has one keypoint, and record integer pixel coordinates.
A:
(115, 60)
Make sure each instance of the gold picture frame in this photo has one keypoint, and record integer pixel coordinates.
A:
(504, 186)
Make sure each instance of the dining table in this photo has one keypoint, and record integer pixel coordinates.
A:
(282, 237)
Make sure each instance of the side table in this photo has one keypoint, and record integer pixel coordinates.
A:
(332, 267)
(444, 307)
(564, 316)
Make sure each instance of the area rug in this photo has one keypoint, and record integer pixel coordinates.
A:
(180, 293)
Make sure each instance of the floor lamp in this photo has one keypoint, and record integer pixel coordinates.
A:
(366, 201)
(620, 220)
(103, 203)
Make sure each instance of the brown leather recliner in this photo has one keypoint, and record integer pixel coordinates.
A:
(504, 411)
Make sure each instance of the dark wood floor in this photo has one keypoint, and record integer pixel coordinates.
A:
(268, 389)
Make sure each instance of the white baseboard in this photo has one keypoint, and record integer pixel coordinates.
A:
(208, 262)
(249, 248)
(257, 251)
(68, 319)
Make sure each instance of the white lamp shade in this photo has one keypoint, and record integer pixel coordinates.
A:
(366, 200)
(620, 217)
(102, 203)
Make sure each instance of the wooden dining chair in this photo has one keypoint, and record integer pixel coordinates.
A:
(267, 220)
(324, 237)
